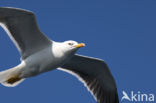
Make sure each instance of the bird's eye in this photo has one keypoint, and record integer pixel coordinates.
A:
(70, 43)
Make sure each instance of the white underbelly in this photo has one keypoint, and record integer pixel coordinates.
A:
(40, 62)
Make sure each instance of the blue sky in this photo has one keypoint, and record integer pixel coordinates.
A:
(122, 32)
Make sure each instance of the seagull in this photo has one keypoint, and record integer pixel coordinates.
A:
(39, 54)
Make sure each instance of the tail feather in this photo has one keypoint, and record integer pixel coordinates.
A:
(10, 77)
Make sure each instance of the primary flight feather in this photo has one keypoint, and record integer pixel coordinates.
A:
(40, 54)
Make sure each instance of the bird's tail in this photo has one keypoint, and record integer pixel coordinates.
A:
(11, 77)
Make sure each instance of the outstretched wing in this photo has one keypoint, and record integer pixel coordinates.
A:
(22, 28)
(96, 76)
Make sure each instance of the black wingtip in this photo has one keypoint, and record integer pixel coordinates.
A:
(11, 11)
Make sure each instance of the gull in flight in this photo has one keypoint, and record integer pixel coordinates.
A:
(40, 54)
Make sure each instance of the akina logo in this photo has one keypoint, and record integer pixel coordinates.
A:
(137, 97)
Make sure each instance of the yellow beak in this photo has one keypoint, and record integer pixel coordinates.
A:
(80, 45)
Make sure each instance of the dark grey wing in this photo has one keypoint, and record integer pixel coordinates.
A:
(96, 76)
(22, 28)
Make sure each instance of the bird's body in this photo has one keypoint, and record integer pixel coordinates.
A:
(39, 55)
(44, 60)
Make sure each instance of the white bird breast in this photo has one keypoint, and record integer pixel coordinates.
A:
(43, 61)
